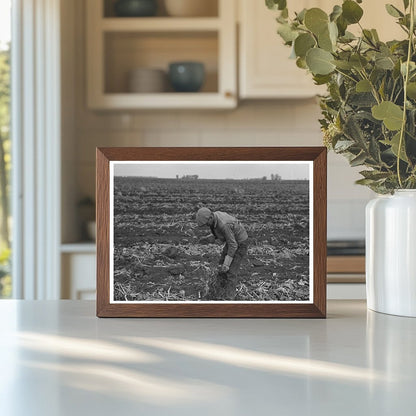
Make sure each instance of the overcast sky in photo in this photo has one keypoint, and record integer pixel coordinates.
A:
(289, 171)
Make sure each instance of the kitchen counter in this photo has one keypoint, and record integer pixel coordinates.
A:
(57, 358)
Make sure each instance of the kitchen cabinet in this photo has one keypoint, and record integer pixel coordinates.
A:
(118, 45)
(78, 263)
(346, 277)
(265, 70)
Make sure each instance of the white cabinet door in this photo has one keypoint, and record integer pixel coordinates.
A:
(376, 17)
(265, 68)
(78, 276)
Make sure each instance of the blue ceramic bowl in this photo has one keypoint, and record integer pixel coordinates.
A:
(186, 76)
(135, 8)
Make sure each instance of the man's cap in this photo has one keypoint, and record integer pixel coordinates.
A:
(202, 216)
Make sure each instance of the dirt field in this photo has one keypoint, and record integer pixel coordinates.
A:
(158, 255)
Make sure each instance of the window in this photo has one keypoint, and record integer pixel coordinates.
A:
(5, 147)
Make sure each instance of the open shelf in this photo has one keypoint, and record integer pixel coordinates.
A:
(126, 51)
(167, 100)
(210, 7)
(160, 24)
(116, 46)
(87, 247)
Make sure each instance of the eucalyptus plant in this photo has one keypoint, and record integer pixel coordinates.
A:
(369, 111)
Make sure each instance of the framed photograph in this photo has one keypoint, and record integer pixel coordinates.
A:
(211, 232)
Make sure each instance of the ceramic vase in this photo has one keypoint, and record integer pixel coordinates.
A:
(391, 253)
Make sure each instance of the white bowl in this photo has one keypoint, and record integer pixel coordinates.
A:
(147, 80)
(191, 8)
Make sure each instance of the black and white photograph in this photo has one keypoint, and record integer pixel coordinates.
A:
(188, 231)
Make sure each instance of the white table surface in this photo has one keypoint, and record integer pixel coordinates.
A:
(57, 358)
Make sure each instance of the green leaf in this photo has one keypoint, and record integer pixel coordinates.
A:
(368, 36)
(374, 174)
(384, 62)
(301, 15)
(358, 160)
(285, 13)
(354, 132)
(321, 79)
(358, 61)
(411, 90)
(394, 144)
(382, 89)
(396, 70)
(393, 11)
(325, 42)
(365, 182)
(411, 123)
(374, 150)
(405, 21)
(412, 67)
(347, 37)
(345, 65)
(282, 20)
(406, 4)
(343, 145)
(301, 63)
(336, 12)
(375, 35)
(319, 61)
(303, 43)
(363, 86)
(333, 32)
(351, 11)
(388, 112)
(362, 99)
(342, 25)
(287, 33)
(316, 20)
(276, 4)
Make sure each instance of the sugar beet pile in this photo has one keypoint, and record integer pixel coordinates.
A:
(159, 255)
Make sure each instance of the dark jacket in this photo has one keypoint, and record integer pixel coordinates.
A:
(228, 229)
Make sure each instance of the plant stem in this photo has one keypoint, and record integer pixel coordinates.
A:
(406, 80)
(373, 88)
(346, 75)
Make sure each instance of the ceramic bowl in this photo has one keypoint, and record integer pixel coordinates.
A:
(135, 8)
(186, 76)
(147, 80)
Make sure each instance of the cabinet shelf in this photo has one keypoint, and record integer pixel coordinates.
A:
(198, 100)
(116, 46)
(160, 24)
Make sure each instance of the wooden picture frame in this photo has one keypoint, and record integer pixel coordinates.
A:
(315, 157)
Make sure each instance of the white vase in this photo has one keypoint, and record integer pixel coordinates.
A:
(391, 253)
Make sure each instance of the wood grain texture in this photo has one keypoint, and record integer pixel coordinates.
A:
(213, 310)
(103, 231)
(319, 229)
(346, 264)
